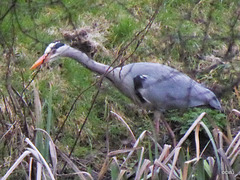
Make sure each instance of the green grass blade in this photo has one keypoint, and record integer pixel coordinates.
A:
(38, 114)
(49, 123)
(200, 173)
(213, 144)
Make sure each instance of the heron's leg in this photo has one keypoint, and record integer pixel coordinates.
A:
(156, 131)
(170, 131)
(158, 116)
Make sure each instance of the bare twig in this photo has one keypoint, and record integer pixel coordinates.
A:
(8, 10)
(34, 76)
(126, 125)
(71, 109)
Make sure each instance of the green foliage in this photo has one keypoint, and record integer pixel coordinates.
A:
(122, 31)
(187, 118)
(114, 170)
(82, 151)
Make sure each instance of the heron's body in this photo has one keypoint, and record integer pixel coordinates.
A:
(159, 87)
(151, 85)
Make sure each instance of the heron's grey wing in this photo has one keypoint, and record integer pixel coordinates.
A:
(173, 90)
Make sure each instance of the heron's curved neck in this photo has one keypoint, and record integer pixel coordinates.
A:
(88, 62)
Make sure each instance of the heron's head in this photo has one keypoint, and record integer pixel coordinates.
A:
(52, 52)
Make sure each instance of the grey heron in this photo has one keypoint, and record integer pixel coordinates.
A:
(152, 86)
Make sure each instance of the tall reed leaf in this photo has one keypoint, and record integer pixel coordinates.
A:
(38, 113)
(49, 123)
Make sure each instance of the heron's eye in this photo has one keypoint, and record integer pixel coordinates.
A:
(54, 51)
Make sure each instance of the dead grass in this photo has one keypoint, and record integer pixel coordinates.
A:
(169, 164)
(138, 161)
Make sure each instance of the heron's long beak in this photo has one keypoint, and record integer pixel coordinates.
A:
(39, 62)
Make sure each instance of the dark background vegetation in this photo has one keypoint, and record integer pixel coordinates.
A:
(199, 38)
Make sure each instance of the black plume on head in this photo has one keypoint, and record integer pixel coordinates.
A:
(57, 45)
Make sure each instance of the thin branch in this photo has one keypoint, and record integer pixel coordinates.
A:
(207, 25)
(233, 38)
(71, 109)
(84, 122)
(24, 31)
(8, 10)
(69, 14)
(34, 76)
